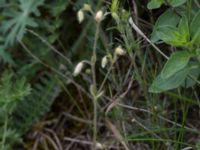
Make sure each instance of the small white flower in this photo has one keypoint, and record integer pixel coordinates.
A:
(78, 68)
(119, 51)
(99, 16)
(104, 61)
(80, 16)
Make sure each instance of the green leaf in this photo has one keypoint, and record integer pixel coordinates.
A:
(5, 56)
(176, 3)
(195, 29)
(176, 62)
(172, 36)
(183, 28)
(175, 36)
(168, 18)
(15, 27)
(160, 85)
(153, 4)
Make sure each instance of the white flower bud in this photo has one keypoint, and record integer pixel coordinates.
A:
(78, 68)
(99, 16)
(80, 16)
(99, 146)
(119, 51)
(104, 61)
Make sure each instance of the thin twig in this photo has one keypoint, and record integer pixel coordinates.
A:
(135, 27)
(159, 116)
(49, 45)
(79, 119)
(55, 137)
(39, 60)
(78, 141)
(94, 86)
(55, 146)
(135, 14)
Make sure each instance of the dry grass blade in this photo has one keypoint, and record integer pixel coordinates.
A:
(117, 134)
(135, 27)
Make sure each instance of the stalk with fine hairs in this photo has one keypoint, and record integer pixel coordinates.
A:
(94, 93)
(94, 86)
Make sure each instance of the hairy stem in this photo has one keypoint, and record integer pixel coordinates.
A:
(93, 68)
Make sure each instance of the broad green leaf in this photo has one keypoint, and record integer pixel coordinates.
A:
(195, 24)
(168, 18)
(153, 4)
(196, 38)
(176, 62)
(195, 29)
(183, 28)
(160, 85)
(176, 3)
(172, 36)
(176, 36)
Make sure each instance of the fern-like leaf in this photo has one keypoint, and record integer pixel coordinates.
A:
(37, 104)
(15, 27)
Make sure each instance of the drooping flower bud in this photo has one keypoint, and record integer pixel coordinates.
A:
(80, 16)
(119, 51)
(78, 68)
(99, 16)
(104, 61)
(99, 146)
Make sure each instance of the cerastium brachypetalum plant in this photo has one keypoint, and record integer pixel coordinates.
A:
(95, 90)
(99, 16)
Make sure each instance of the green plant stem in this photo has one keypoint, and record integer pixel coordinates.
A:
(49, 45)
(93, 68)
(106, 76)
(95, 123)
(189, 9)
(94, 57)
